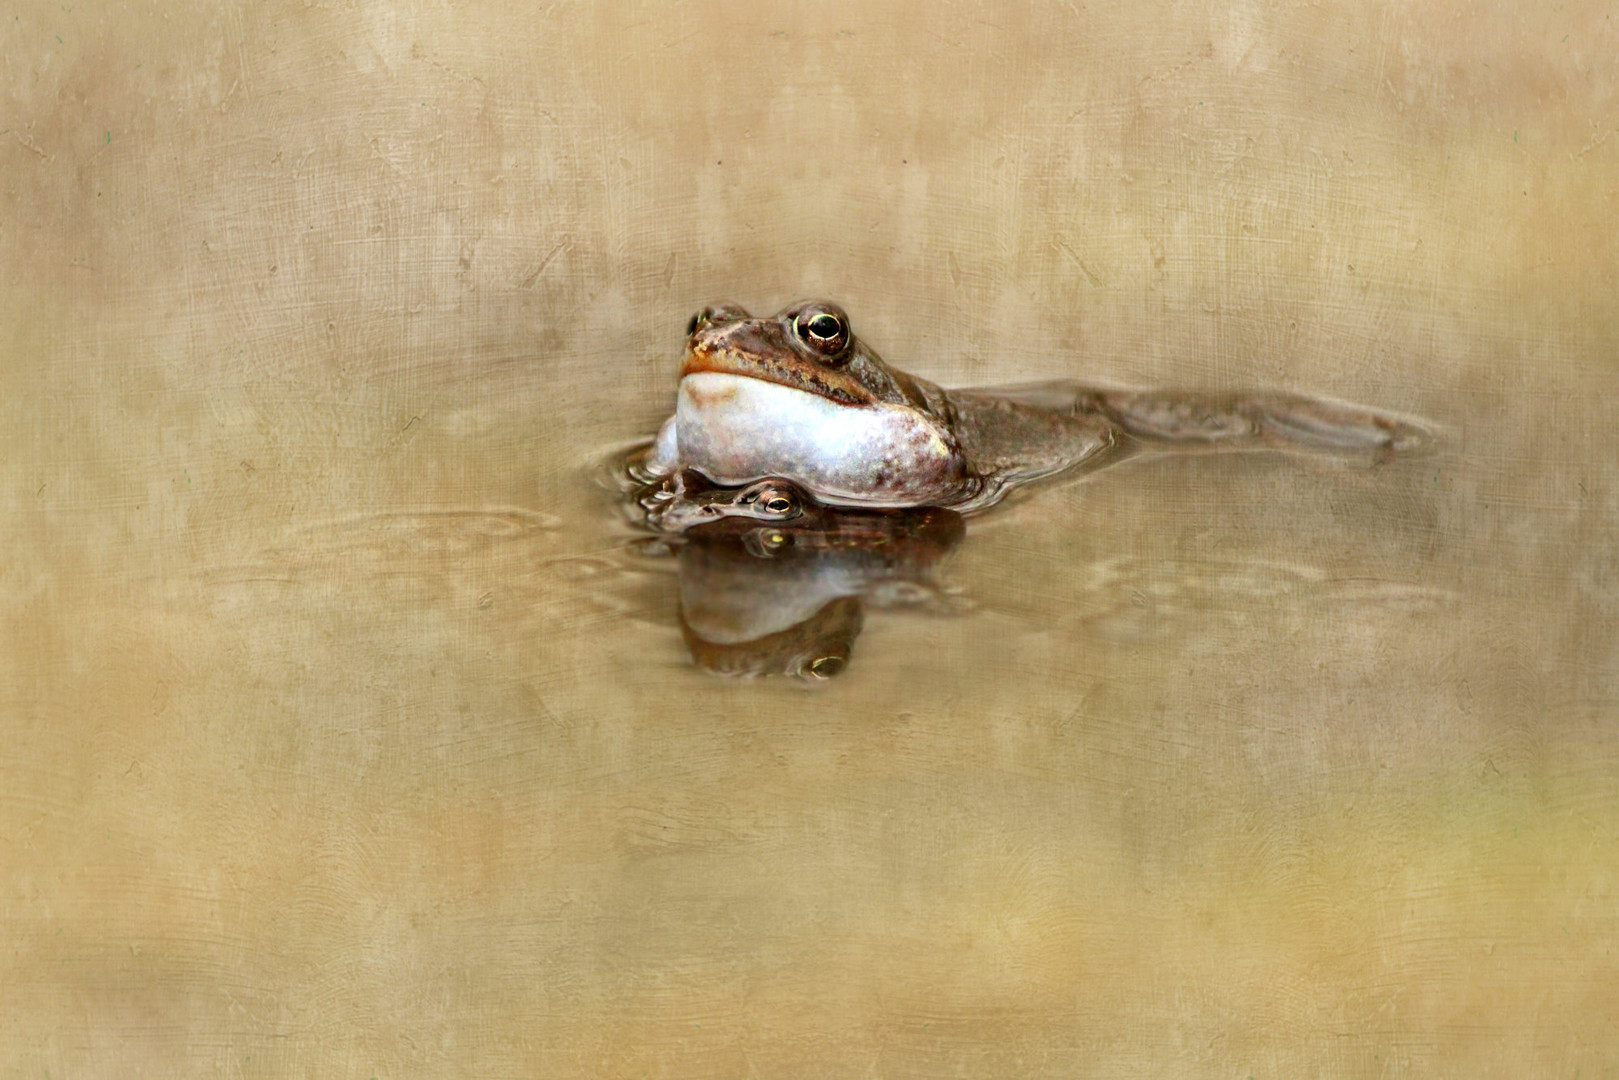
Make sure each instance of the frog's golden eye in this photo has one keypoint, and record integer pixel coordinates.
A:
(825, 330)
(773, 497)
(765, 543)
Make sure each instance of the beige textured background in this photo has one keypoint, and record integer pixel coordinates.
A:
(342, 736)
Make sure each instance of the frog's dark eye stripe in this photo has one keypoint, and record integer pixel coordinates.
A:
(691, 326)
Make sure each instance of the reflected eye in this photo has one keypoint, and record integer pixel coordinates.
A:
(824, 330)
(826, 667)
(764, 543)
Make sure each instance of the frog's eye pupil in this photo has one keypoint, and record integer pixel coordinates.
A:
(691, 326)
(778, 504)
(826, 327)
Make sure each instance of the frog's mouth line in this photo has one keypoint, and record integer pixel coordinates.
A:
(801, 375)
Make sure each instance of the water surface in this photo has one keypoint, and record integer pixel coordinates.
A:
(346, 731)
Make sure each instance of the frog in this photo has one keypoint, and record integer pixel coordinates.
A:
(797, 396)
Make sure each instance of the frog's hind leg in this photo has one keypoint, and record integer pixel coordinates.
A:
(1333, 426)
(1014, 436)
(1260, 420)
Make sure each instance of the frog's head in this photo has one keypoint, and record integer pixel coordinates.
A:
(798, 395)
(807, 346)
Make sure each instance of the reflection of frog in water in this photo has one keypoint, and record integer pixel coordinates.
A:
(773, 583)
(799, 397)
(801, 477)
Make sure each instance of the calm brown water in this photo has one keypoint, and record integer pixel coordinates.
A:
(345, 732)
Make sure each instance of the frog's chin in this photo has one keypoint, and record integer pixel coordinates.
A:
(735, 429)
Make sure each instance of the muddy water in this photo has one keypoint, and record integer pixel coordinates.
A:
(345, 731)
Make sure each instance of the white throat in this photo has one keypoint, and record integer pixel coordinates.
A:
(736, 429)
